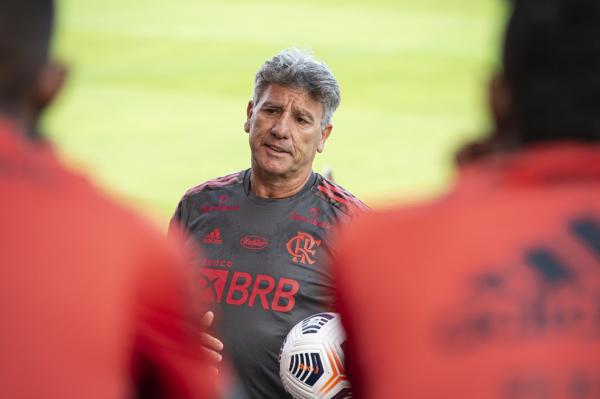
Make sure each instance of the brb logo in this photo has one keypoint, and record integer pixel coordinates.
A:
(302, 248)
(241, 288)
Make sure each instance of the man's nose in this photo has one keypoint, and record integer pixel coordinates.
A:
(281, 128)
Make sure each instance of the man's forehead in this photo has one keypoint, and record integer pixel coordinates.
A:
(280, 95)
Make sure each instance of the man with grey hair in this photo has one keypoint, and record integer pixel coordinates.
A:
(265, 230)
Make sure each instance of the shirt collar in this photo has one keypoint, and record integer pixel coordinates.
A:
(541, 164)
(23, 155)
(12, 139)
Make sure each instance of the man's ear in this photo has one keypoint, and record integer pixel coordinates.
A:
(500, 101)
(324, 136)
(249, 112)
(51, 80)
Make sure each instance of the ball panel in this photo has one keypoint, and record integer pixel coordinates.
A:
(312, 361)
(313, 324)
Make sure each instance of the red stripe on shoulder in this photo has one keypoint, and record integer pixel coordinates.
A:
(332, 195)
(335, 188)
(215, 183)
(343, 197)
(340, 191)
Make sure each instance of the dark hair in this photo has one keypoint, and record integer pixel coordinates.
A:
(552, 66)
(25, 30)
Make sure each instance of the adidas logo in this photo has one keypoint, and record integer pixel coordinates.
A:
(214, 237)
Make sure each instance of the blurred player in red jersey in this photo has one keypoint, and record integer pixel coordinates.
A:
(93, 303)
(493, 291)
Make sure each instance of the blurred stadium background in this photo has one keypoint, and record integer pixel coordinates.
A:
(158, 90)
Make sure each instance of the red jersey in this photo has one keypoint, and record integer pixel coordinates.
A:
(93, 303)
(490, 292)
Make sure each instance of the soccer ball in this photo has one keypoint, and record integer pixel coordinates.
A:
(311, 361)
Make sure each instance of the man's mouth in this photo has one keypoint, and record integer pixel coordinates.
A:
(277, 148)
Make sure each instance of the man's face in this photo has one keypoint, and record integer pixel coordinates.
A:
(285, 131)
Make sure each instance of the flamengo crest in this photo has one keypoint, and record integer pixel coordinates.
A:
(302, 248)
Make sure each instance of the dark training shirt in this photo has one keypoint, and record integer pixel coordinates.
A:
(266, 265)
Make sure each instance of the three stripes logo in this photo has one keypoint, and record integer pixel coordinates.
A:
(307, 367)
(214, 237)
(315, 323)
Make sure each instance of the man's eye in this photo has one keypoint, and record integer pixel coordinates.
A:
(302, 121)
(270, 110)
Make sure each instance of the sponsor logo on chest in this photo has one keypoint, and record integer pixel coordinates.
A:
(244, 289)
(223, 285)
(222, 206)
(254, 243)
(312, 218)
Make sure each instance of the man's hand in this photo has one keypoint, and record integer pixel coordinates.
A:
(212, 345)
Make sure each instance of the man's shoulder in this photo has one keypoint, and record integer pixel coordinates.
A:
(98, 208)
(402, 222)
(218, 183)
(338, 197)
(76, 210)
(66, 193)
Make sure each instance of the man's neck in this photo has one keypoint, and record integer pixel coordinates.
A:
(16, 121)
(277, 187)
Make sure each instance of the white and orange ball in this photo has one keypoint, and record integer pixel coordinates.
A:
(311, 361)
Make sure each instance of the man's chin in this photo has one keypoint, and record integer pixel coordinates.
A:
(271, 169)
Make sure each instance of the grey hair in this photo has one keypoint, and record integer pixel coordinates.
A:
(298, 68)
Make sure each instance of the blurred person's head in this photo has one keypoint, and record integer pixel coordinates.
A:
(28, 80)
(549, 86)
(289, 117)
(552, 69)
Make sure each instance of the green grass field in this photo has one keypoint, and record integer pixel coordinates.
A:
(158, 90)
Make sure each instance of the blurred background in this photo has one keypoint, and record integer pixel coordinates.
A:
(158, 90)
